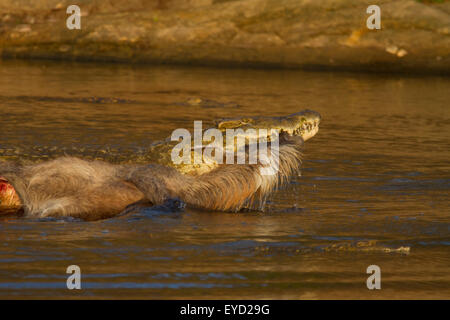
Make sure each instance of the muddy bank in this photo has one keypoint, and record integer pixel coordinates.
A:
(328, 34)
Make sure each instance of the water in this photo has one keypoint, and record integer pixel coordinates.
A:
(374, 188)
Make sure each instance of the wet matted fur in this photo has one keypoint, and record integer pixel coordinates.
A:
(94, 190)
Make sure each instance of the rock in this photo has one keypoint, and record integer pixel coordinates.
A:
(23, 28)
(327, 34)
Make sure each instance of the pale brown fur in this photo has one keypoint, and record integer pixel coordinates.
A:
(94, 190)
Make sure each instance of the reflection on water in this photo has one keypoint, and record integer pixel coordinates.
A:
(374, 188)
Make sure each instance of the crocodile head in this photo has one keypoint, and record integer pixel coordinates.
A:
(304, 123)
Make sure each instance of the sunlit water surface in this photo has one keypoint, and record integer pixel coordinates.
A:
(374, 188)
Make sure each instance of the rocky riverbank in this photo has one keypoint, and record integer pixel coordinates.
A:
(327, 34)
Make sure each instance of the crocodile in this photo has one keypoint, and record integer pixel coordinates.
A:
(92, 190)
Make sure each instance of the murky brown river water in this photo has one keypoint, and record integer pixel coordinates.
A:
(374, 188)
